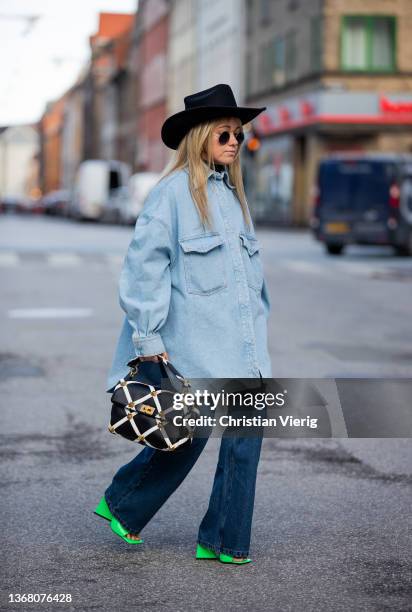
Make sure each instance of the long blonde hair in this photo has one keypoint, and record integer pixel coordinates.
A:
(198, 142)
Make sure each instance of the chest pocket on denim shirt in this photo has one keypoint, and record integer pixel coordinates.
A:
(251, 261)
(204, 263)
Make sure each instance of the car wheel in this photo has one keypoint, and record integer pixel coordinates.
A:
(406, 249)
(334, 249)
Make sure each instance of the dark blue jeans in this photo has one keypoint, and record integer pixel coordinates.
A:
(142, 486)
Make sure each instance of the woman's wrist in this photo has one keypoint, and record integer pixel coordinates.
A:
(153, 357)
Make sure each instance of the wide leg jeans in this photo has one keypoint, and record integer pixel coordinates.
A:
(142, 486)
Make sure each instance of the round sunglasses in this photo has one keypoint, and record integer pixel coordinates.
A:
(224, 137)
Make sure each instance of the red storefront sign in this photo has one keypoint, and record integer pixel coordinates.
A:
(400, 107)
(291, 116)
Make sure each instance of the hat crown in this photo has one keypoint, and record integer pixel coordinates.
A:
(207, 105)
(218, 95)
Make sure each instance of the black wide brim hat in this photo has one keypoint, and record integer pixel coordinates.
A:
(213, 103)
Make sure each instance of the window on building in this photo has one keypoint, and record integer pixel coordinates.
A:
(248, 75)
(249, 16)
(264, 71)
(316, 43)
(290, 56)
(265, 11)
(269, 64)
(279, 61)
(368, 43)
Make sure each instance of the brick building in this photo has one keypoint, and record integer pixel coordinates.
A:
(51, 131)
(151, 38)
(335, 75)
(73, 131)
(110, 106)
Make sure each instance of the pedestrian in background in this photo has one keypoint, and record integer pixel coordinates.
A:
(193, 291)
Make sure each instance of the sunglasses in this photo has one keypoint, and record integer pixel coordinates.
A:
(224, 137)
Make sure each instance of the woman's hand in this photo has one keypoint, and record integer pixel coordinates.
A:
(154, 357)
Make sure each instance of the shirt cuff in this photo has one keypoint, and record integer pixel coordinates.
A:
(148, 345)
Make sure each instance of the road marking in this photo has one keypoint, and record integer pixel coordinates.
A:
(63, 259)
(337, 268)
(355, 267)
(115, 260)
(9, 259)
(49, 313)
(304, 266)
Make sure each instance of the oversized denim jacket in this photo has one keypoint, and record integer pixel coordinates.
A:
(198, 294)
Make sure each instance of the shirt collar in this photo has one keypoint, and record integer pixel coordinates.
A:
(217, 175)
(221, 175)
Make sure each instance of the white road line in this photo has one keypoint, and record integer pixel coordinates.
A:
(49, 313)
(63, 259)
(357, 268)
(304, 266)
(115, 260)
(9, 259)
(336, 268)
(13, 259)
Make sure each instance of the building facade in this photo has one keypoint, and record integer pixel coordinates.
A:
(19, 145)
(204, 48)
(73, 133)
(110, 106)
(334, 75)
(151, 36)
(51, 132)
(181, 57)
(218, 45)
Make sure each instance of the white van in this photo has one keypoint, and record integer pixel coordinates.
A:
(96, 187)
(138, 187)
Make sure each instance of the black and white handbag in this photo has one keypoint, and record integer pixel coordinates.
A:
(143, 406)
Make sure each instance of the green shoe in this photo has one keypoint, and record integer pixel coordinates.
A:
(205, 553)
(119, 530)
(102, 509)
(228, 559)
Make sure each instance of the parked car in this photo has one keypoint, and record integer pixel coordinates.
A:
(32, 206)
(364, 199)
(10, 204)
(138, 188)
(120, 203)
(57, 202)
(95, 187)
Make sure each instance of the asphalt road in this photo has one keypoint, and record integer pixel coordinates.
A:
(332, 522)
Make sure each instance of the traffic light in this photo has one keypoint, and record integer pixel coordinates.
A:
(252, 144)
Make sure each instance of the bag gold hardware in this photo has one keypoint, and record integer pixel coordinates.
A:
(147, 409)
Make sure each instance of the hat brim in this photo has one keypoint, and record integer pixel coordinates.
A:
(178, 125)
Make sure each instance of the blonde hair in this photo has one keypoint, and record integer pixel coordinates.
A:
(198, 142)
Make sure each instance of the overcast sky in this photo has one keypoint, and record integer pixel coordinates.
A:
(39, 62)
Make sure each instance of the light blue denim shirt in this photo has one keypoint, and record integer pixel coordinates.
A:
(198, 294)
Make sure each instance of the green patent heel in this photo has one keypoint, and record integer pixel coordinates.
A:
(102, 509)
(228, 559)
(119, 530)
(205, 553)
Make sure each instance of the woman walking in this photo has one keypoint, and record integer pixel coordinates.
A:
(193, 291)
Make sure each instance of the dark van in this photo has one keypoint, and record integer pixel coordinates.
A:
(364, 199)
